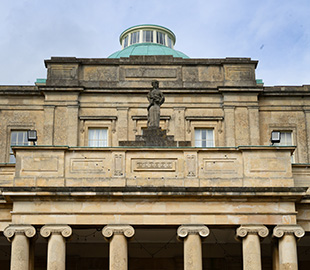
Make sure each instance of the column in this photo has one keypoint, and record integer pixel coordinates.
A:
(192, 245)
(118, 244)
(287, 235)
(251, 250)
(19, 236)
(56, 249)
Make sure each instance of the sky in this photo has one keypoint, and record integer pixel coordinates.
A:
(275, 32)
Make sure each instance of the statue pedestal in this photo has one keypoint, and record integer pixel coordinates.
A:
(154, 136)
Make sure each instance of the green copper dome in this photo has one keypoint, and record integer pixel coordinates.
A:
(147, 39)
(147, 49)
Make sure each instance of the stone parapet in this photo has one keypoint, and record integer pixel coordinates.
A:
(158, 167)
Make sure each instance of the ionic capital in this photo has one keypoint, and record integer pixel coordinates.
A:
(185, 230)
(296, 230)
(126, 230)
(259, 230)
(28, 230)
(64, 230)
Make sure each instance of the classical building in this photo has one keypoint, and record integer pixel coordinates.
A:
(220, 183)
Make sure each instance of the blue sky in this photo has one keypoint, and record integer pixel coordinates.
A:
(277, 33)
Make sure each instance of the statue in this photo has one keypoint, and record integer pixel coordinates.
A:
(156, 99)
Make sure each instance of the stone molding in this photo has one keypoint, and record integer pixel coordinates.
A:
(260, 230)
(126, 230)
(185, 230)
(28, 230)
(296, 230)
(64, 230)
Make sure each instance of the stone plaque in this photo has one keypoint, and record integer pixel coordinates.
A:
(167, 165)
(39, 164)
(87, 166)
(150, 73)
(220, 166)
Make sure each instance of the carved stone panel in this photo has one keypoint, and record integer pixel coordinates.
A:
(140, 165)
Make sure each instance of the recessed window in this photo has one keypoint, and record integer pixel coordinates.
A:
(147, 36)
(126, 41)
(204, 137)
(98, 137)
(161, 38)
(285, 138)
(18, 137)
(135, 37)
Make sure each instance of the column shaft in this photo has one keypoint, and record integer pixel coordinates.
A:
(56, 249)
(118, 252)
(20, 252)
(19, 235)
(56, 252)
(288, 252)
(118, 244)
(251, 252)
(192, 252)
(192, 245)
(251, 249)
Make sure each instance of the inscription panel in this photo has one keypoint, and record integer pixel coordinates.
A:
(39, 164)
(220, 166)
(87, 166)
(239, 73)
(166, 165)
(150, 73)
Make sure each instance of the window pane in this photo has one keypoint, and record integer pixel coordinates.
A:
(17, 138)
(98, 137)
(147, 36)
(126, 42)
(161, 38)
(135, 37)
(204, 137)
(169, 42)
(286, 138)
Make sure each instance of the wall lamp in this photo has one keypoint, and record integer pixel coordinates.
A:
(32, 136)
(275, 137)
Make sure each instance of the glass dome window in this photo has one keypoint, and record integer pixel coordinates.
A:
(160, 38)
(126, 41)
(147, 36)
(135, 36)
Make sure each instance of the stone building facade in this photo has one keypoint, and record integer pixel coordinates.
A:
(79, 200)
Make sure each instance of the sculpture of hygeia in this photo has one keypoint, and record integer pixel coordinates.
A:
(156, 99)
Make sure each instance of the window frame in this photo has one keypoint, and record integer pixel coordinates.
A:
(98, 128)
(25, 143)
(86, 125)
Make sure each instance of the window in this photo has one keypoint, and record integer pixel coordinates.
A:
(147, 36)
(126, 41)
(135, 37)
(169, 42)
(17, 138)
(161, 38)
(204, 137)
(98, 137)
(286, 138)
